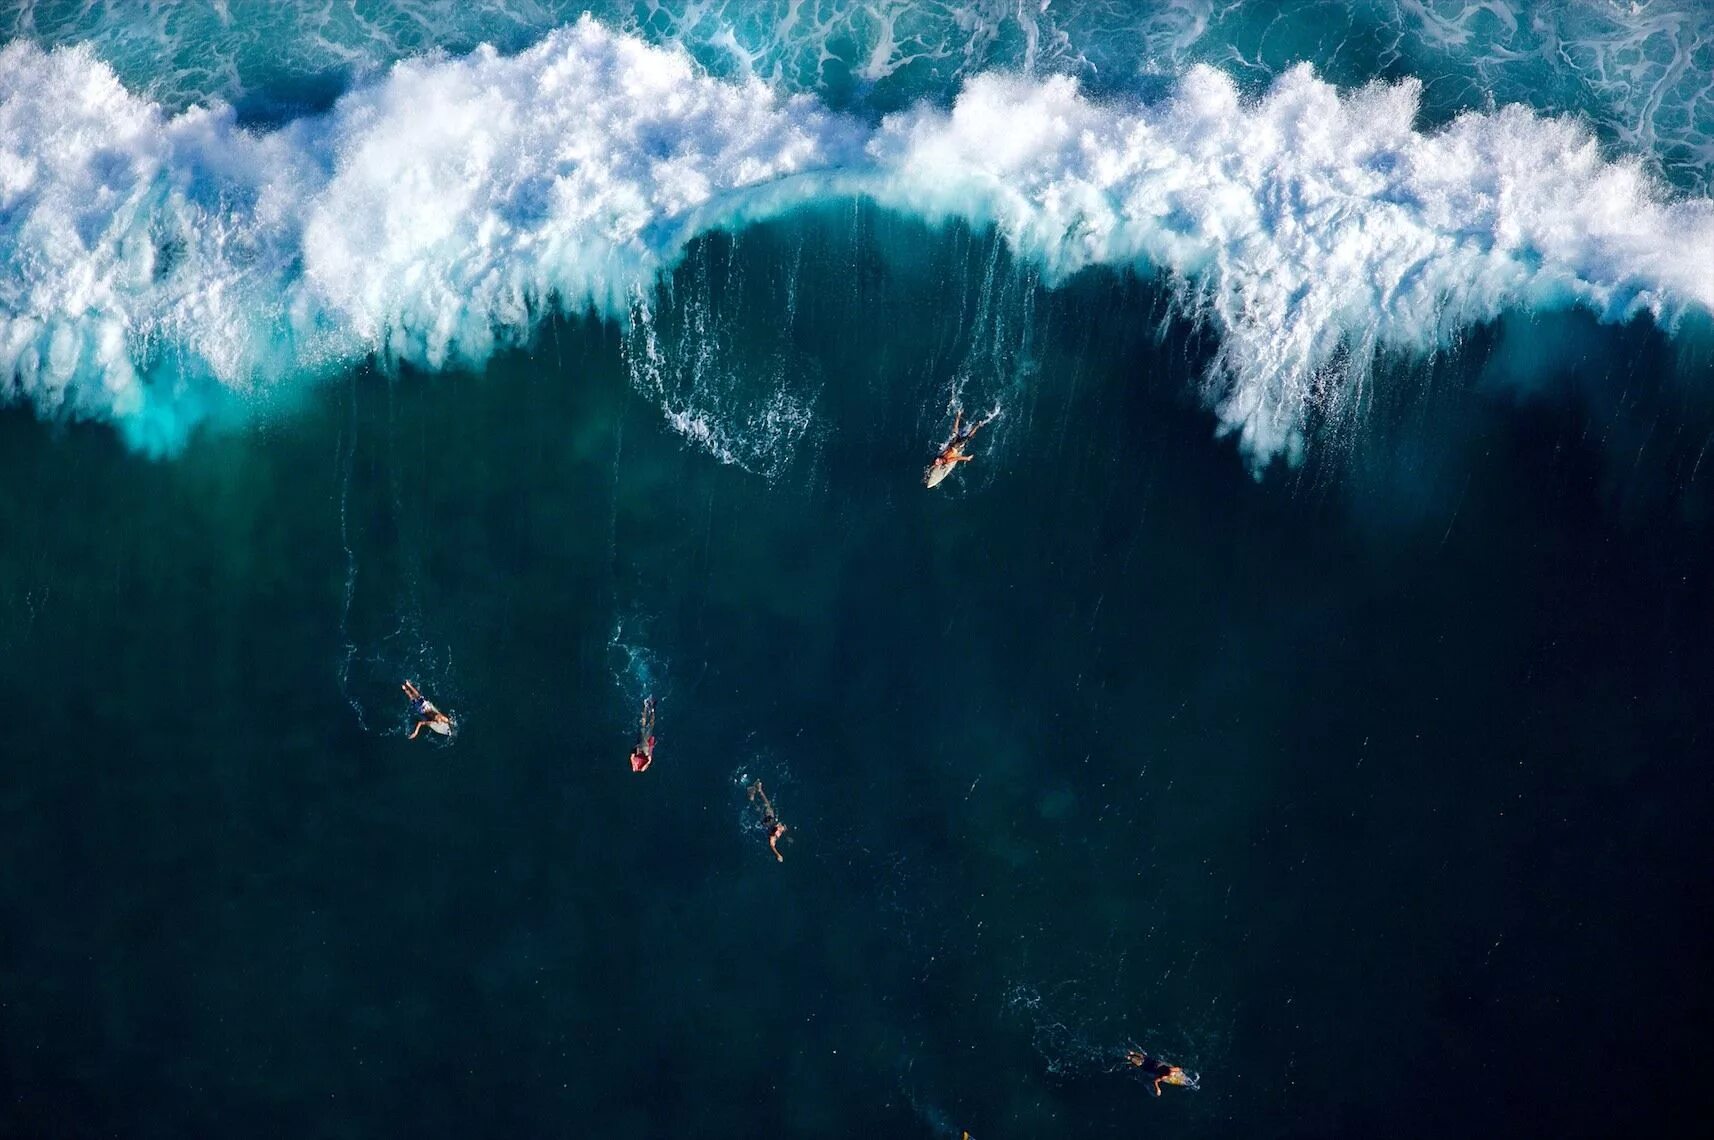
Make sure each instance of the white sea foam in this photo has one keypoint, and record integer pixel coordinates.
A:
(148, 260)
(427, 217)
(1638, 70)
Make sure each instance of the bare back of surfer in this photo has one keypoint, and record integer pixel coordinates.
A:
(952, 453)
(770, 821)
(643, 754)
(427, 715)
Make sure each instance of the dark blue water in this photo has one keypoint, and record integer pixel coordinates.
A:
(1373, 789)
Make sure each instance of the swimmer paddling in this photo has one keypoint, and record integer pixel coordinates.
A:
(1158, 1071)
(952, 453)
(770, 822)
(427, 715)
(643, 754)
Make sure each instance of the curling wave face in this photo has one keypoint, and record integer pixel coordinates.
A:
(153, 263)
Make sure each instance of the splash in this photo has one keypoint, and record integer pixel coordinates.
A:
(155, 267)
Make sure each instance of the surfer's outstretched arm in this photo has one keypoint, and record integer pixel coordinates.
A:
(421, 724)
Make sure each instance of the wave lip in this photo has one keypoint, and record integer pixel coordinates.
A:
(151, 264)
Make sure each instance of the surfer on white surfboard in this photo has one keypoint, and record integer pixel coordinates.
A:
(643, 754)
(1158, 1072)
(427, 715)
(952, 453)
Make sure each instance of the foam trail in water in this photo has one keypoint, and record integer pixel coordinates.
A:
(150, 263)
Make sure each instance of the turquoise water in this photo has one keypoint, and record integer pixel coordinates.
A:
(1348, 750)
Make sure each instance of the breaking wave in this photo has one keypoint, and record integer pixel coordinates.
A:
(155, 264)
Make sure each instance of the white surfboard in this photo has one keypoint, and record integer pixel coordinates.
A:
(444, 727)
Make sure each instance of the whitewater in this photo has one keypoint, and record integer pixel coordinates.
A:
(156, 265)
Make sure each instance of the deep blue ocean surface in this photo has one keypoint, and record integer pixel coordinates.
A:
(1307, 681)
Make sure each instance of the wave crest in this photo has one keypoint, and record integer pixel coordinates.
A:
(151, 263)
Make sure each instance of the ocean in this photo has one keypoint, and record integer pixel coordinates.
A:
(1305, 682)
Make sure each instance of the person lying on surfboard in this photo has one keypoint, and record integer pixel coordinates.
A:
(770, 822)
(1158, 1071)
(643, 754)
(427, 715)
(952, 453)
